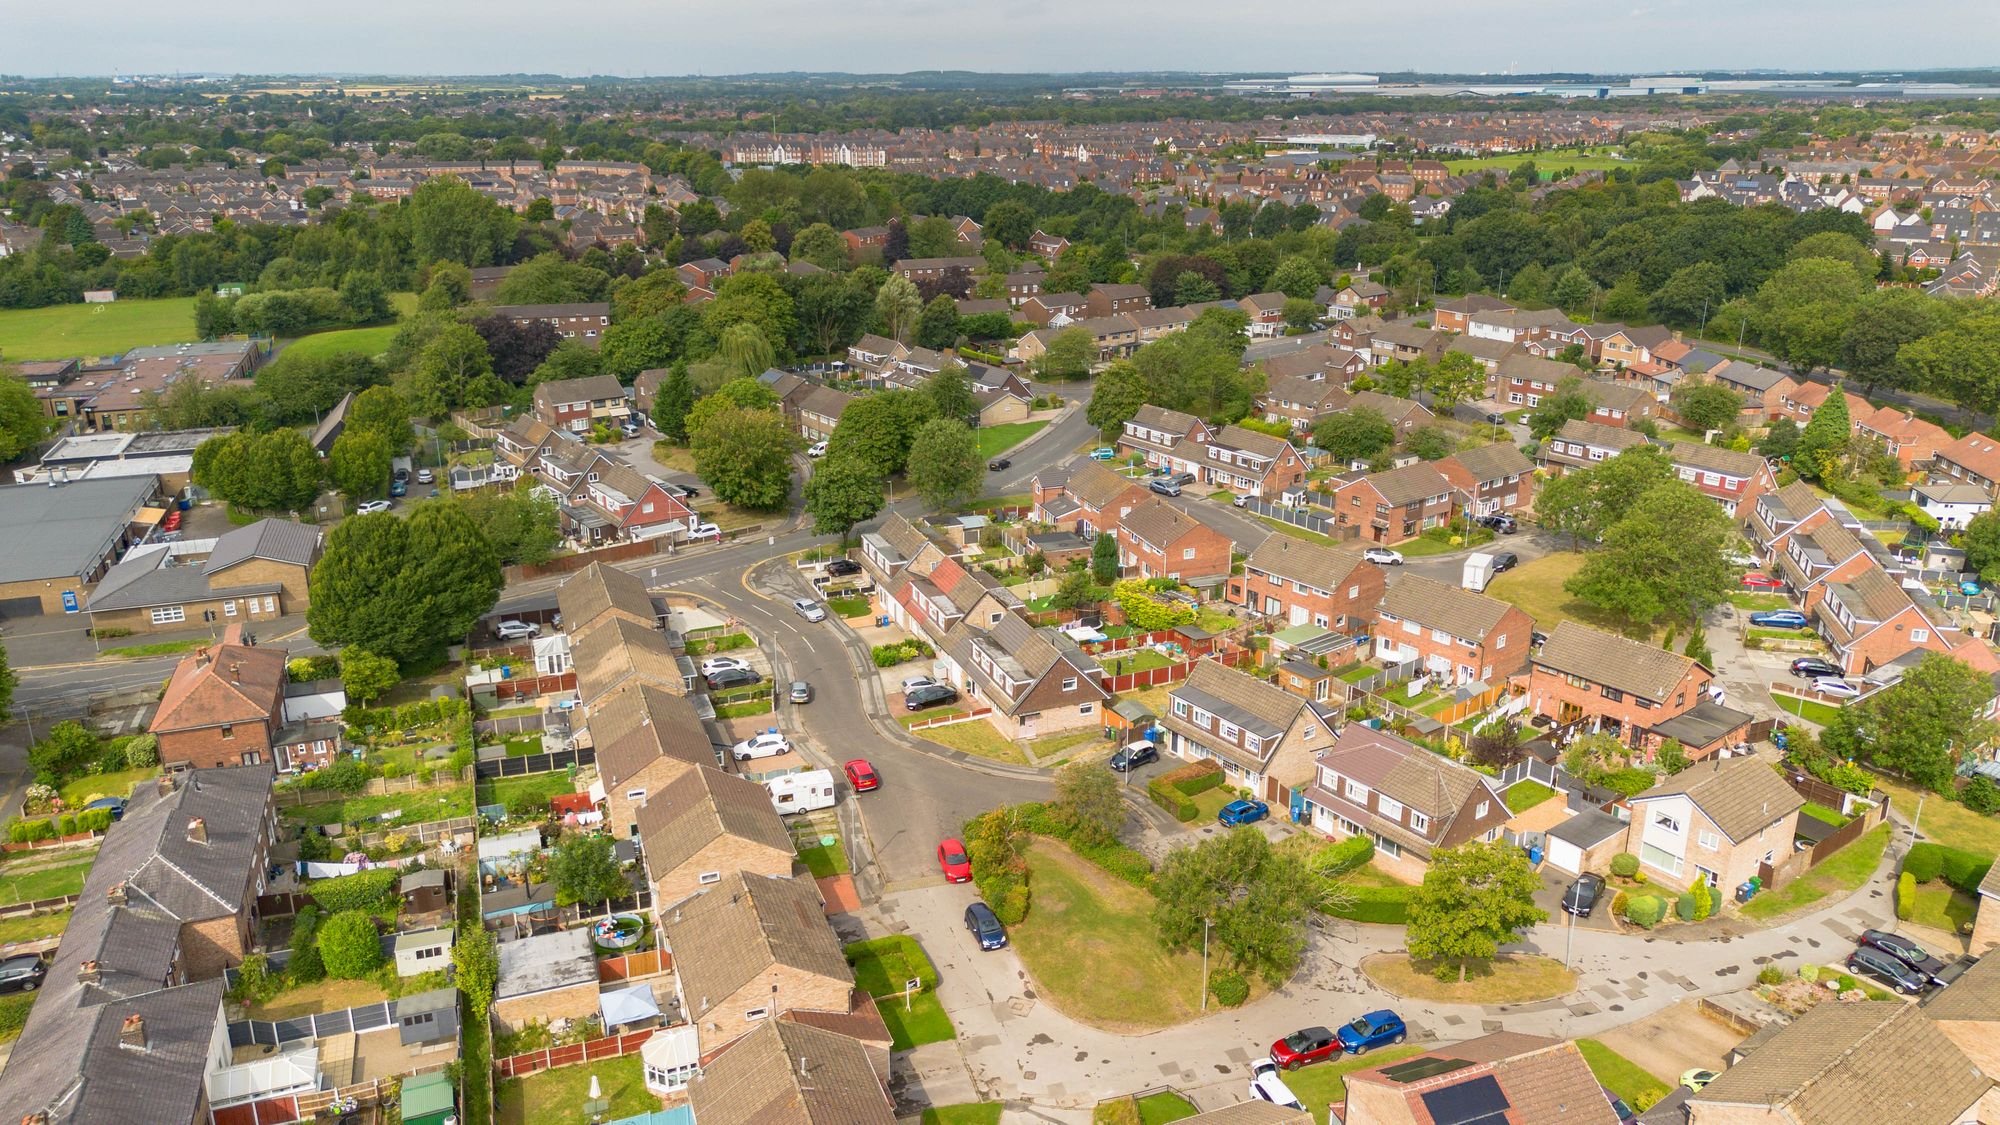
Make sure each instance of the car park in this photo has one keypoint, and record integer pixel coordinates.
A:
(1383, 556)
(1762, 582)
(1164, 487)
(843, 568)
(1887, 968)
(985, 926)
(1134, 754)
(1835, 687)
(952, 860)
(370, 507)
(1779, 619)
(733, 677)
(809, 609)
(1242, 812)
(1698, 1078)
(998, 464)
(1378, 1028)
(513, 630)
(768, 744)
(716, 664)
(1812, 667)
(1580, 898)
(22, 973)
(802, 692)
(929, 696)
(1266, 1084)
(1906, 951)
(1306, 1045)
(862, 775)
(1505, 560)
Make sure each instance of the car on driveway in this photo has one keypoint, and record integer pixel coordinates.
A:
(1378, 1028)
(1906, 951)
(1165, 487)
(912, 683)
(370, 507)
(1103, 453)
(1383, 556)
(1240, 500)
(511, 630)
(802, 692)
(985, 926)
(843, 568)
(396, 488)
(1887, 968)
(862, 775)
(716, 664)
(425, 476)
(816, 449)
(929, 696)
(1580, 898)
(733, 677)
(1266, 1084)
(115, 804)
(1505, 560)
(768, 744)
(1758, 581)
(1698, 1078)
(23, 973)
(809, 609)
(1306, 1045)
(1242, 812)
(702, 531)
(998, 464)
(952, 860)
(1779, 619)
(1134, 754)
(1835, 687)
(1500, 522)
(1812, 667)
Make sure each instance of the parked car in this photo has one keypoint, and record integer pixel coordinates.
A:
(1697, 1078)
(1779, 619)
(398, 488)
(843, 568)
(1500, 522)
(928, 696)
(733, 677)
(998, 464)
(1135, 754)
(1758, 581)
(1165, 487)
(1835, 687)
(1103, 453)
(816, 449)
(425, 476)
(1240, 500)
(1581, 897)
(1242, 812)
(1887, 968)
(1812, 667)
(1306, 1045)
(1505, 560)
(768, 744)
(370, 507)
(1365, 1033)
(716, 664)
(809, 609)
(912, 683)
(1906, 951)
(23, 973)
(704, 531)
(862, 775)
(1383, 556)
(952, 860)
(513, 630)
(802, 692)
(684, 491)
(1268, 1085)
(1618, 1107)
(985, 926)
(115, 804)
(400, 474)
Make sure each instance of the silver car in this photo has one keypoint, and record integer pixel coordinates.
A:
(809, 609)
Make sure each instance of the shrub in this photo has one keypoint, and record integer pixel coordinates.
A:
(1012, 907)
(1625, 865)
(66, 825)
(1770, 974)
(1619, 902)
(368, 891)
(1229, 988)
(1704, 899)
(1170, 799)
(1981, 795)
(1645, 911)
(1965, 871)
(1147, 613)
(1350, 854)
(349, 945)
(1685, 907)
(1924, 863)
(1809, 973)
(305, 967)
(142, 752)
(94, 820)
(1202, 781)
(1906, 895)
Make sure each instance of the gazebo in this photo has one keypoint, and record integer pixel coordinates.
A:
(628, 1007)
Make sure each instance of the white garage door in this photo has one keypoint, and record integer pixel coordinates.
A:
(1565, 856)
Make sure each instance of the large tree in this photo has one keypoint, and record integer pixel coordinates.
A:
(1960, 362)
(522, 524)
(453, 371)
(671, 403)
(1068, 355)
(359, 465)
(944, 462)
(1706, 406)
(1801, 312)
(1354, 435)
(585, 871)
(1474, 899)
(1252, 898)
(821, 245)
(1667, 557)
(1115, 397)
(1569, 403)
(1920, 725)
(1087, 800)
(897, 307)
(403, 588)
(843, 491)
(951, 394)
(1455, 378)
(451, 220)
(879, 428)
(937, 324)
(745, 456)
(1585, 503)
(1823, 442)
(1981, 542)
(381, 410)
(516, 349)
(276, 471)
(22, 422)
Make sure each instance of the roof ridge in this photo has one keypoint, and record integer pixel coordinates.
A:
(1840, 1057)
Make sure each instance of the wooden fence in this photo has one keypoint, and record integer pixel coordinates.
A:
(1171, 674)
(76, 838)
(610, 970)
(609, 1047)
(19, 909)
(528, 687)
(1849, 832)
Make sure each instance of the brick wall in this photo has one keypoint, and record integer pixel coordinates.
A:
(724, 1021)
(721, 856)
(574, 1002)
(207, 746)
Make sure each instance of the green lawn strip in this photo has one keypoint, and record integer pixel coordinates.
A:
(1832, 816)
(33, 927)
(1165, 1106)
(1372, 895)
(1945, 822)
(555, 1097)
(995, 440)
(975, 736)
(1322, 1084)
(1756, 634)
(882, 968)
(158, 648)
(14, 1015)
(970, 1113)
(1845, 871)
(65, 331)
(1134, 660)
(1525, 795)
(415, 806)
(823, 859)
(1284, 528)
(1811, 710)
(78, 792)
(1758, 603)
(744, 710)
(1091, 945)
(849, 607)
(1622, 1076)
(365, 341)
(538, 787)
(1208, 803)
(1942, 908)
(46, 882)
(1357, 673)
(1214, 620)
(524, 745)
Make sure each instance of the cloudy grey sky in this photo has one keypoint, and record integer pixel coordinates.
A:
(668, 37)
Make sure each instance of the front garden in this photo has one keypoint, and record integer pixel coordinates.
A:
(882, 967)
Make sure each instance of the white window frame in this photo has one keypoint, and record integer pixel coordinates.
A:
(1710, 841)
(1419, 822)
(169, 614)
(709, 878)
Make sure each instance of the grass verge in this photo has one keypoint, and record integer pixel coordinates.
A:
(1846, 871)
(1942, 908)
(824, 860)
(1090, 943)
(1811, 710)
(1324, 1083)
(976, 737)
(995, 440)
(1508, 979)
(33, 927)
(970, 1113)
(1622, 1076)
(158, 648)
(882, 967)
(1945, 822)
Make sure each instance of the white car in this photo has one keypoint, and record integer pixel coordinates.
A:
(816, 449)
(704, 531)
(512, 630)
(1267, 1085)
(770, 744)
(370, 507)
(915, 682)
(809, 609)
(1383, 556)
(716, 664)
(425, 476)
(1838, 688)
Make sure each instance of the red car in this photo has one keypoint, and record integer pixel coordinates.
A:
(956, 864)
(1306, 1045)
(862, 776)
(1762, 581)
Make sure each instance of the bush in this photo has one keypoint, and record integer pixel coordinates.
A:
(888, 656)
(1704, 899)
(1924, 863)
(1981, 795)
(142, 752)
(305, 967)
(1906, 895)
(1170, 799)
(1770, 974)
(1645, 911)
(1685, 907)
(1619, 902)
(1147, 613)
(368, 891)
(1201, 781)
(94, 820)
(66, 825)
(1965, 871)
(1350, 854)
(1625, 865)
(1229, 988)
(349, 945)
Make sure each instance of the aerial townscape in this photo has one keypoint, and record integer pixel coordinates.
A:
(1143, 578)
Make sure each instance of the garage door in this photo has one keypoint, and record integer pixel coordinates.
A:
(20, 607)
(1565, 856)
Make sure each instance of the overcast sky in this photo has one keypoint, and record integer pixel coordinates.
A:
(672, 37)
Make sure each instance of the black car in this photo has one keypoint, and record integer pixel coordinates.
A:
(1165, 487)
(1505, 560)
(1886, 968)
(733, 677)
(997, 464)
(1581, 897)
(922, 697)
(1812, 668)
(985, 926)
(1906, 951)
(23, 973)
(843, 568)
(1134, 754)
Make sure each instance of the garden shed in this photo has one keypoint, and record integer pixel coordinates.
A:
(425, 891)
(423, 951)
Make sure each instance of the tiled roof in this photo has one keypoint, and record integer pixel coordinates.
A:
(1159, 523)
(1600, 435)
(1974, 996)
(791, 1073)
(1716, 459)
(221, 684)
(1612, 660)
(618, 649)
(1250, 441)
(1492, 462)
(1743, 796)
(600, 588)
(638, 724)
(744, 925)
(1854, 1064)
(1410, 484)
(1441, 605)
(1095, 485)
(277, 540)
(702, 806)
(1312, 563)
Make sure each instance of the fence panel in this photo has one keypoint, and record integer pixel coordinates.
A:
(1317, 524)
(535, 763)
(954, 717)
(549, 1058)
(570, 563)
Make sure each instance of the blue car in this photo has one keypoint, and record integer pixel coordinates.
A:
(1376, 1029)
(1780, 619)
(1243, 812)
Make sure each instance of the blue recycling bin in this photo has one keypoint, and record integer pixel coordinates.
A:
(1534, 855)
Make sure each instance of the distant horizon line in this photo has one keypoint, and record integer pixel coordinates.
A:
(1384, 76)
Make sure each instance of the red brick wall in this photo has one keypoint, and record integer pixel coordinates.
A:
(205, 747)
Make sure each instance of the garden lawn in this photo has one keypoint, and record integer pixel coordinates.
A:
(523, 746)
(1214, 620)
(970, 1113)
(1165, 1106)
(1208, 805)
(1637, 1088)
(881, 967)
(33, 927)
(995, 440)
(1846, 871)
(1832, 816)
(976, 737)
(1537, 587)
(1525, 795)
(1357, 673)
(14, 1015)
(63, 331)
(329, 995)
(366, 341)
(1811, 710)
(414, 806)
(1374, 895)
(539, 786)
(823, 859)
(1758, 603)
(1284, 528)
(1942, 908)
(1141, 660)
(18, 884)
(849, 607)
(1322, 1084)
(158, 648)
(1057, 747)
(1090, 943)
(555, 1097)
(1945, 822)
(83, 790)
(1510, 979)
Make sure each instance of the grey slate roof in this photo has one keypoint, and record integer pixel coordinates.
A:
(277, 540)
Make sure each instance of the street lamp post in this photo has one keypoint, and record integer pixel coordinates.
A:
(1204, 964)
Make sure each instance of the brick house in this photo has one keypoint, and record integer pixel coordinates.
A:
(703, 273)
(577, 405)
(1970, 1017)
(1763, 390)
(1718, 820)
(1037, 681)
(795, 1071)
(253, 574)
(1109, 300)
(1525, 380)
(1266, 312)
(1404, 415)
(1827, 551)
(599, 593)
(816, 411)
(1615, 685)
(1913, 442)
(1050, 246)
(646, 739)
(1726, 476)
(610, 501)
(1166, 439)
(705, 824)
(1253, 464)
(1580, 444)
(1456, 314)
(1973, 459)
(1158, 540)
(1494, 478)
(1359, 298)
(1307, 583)
(1871, 620)
(1459, 636)
(583, 321)
(1262, 736)
(1300, 402)
(223, 706)
(1618, 404)
(1397, 505)
(1408, 800)
(619, 651)
(751, 949)
(1520, 1077)
(1084, 497)
(1054, 310)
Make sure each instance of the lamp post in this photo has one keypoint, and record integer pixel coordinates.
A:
(1204, 964)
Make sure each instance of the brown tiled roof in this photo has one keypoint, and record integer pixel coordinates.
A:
(600, 588)
(1441, 605)
(791, 1073)
(1388, 406)
(1168, 421)
(744, 925)
(1491, 462)
(225, 683)
(638, 724)
(1250, 441)
(1977, 452)
(1429, 783)
(1716, 459)
(618, 649)
(1612, 660)
(700, 807)
(902, 535)
(1743, 796)
(1258, 697)
(1410, 484)
(1311, 563)
(1976, 995)
(1599, 434)
(1554, 1085)
(1854, 1064)
(1095, 485)
(1159, 523)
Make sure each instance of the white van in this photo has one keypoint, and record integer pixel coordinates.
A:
(801, 792)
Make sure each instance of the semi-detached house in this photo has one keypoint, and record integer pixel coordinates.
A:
(1307, 583)
(1973, 459)
(1580, 444)
(1611, 684)
(1084, 496)
(1458, 636)
(1252, 464)
(577, 405)
(1167, 439)
(1397, 505)
(1410, 801)
(1726, 476)
(1264, 738)
(1036, 681)
(1494, 478)
(1158, 540)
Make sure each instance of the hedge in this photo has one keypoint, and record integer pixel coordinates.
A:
(1388, 906)
(1229, 988)
(373, 891)
(1961, 869)
(1625, 865)
(1906, 896)
(1924, 863)
(1350, 854)
(1170, 799)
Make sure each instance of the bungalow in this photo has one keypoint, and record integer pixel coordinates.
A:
(792, 1071)
(600, 593)
(1306, 583)
(1399, 504)
(1726, 476)
(1722, 821)
(1615, 685)
(1035, 681)
(1494, 478)
(1460, 637)
(1158, 540)
(1262, 736)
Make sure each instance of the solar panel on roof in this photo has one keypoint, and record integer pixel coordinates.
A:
(1479, 1101)
(1418, 1069)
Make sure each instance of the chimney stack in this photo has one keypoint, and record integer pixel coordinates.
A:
(235, 672)
(165, 785)
(87, 973)
(201, 657)
(114, 895)
(132, 1033)
(38, 1117)
(197, 830)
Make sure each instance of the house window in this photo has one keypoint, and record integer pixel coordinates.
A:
(253, 758)
(1356, 791)
(1919, 636)
(756, 1013)
(169, 614)
(1085, 708)
(1069, 684)
(1669, 823)
(228, 731)
(1481, 810)
(1180, 709)
(1389, 808)
(636, 796)
(270, 605)
(1420, 822)
(229, 607)
(708, 877)
(1710, 841)
(1613, 694)
(1187, 553)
